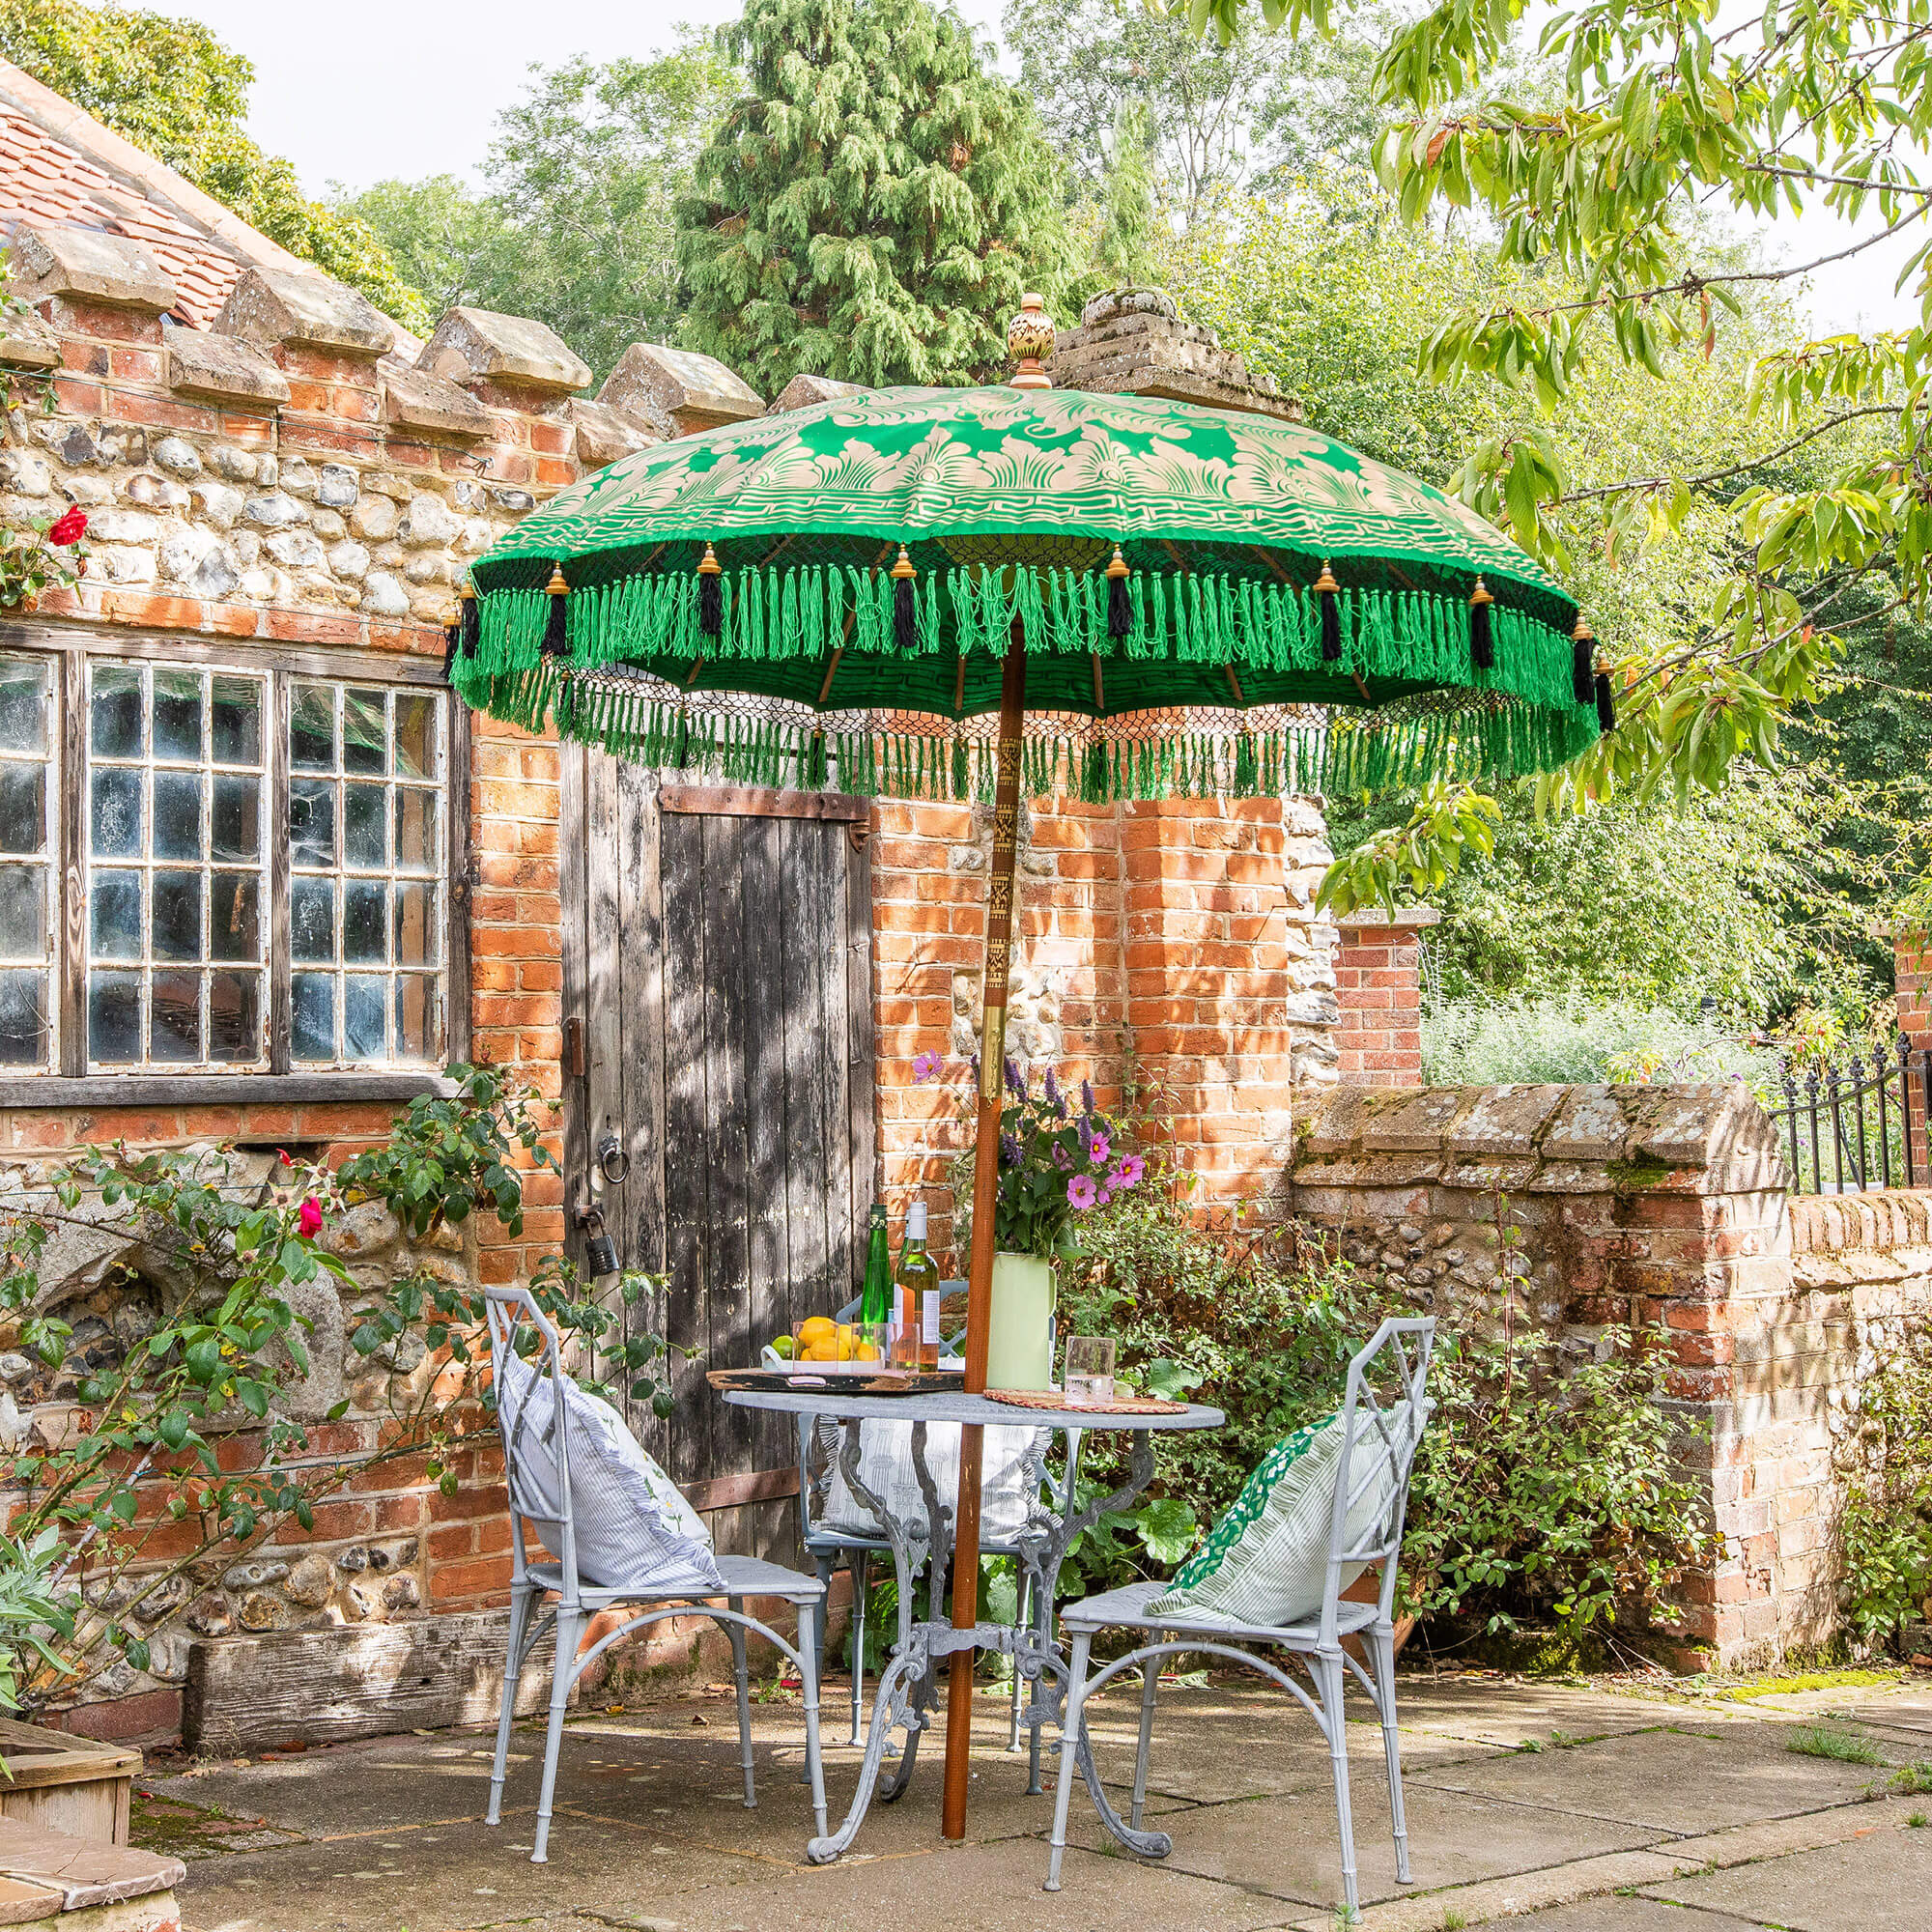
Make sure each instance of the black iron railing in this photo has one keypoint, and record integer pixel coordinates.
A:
(1861, 1123)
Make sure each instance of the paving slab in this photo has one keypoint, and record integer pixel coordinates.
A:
(1506, 1712)
(1291, 1847)
(1878, 1881)
(1633, 1914)
(974, 1889)
(1673, 1780)
(1510, 1897)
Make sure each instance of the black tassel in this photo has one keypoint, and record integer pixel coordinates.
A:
(1606, 705)
(1582, 663)
(1482, 632)
(1325, 588)
(555, 638)
(710, 594)
(472, 626)
(1119, 607)
(905, 624)
(452, 638)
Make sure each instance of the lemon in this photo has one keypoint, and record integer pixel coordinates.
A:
(816, 1328)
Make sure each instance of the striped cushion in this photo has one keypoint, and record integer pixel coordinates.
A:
(1267, 1561)
(1009, 1467)
(635, 1529)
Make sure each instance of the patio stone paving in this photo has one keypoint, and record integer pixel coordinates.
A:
(1562, 1808)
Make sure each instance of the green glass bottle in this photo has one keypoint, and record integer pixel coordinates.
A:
(876, 1303)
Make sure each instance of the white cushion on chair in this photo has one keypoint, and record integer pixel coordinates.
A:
(634, 1530)
(1267, 1561)
(1008, 1475)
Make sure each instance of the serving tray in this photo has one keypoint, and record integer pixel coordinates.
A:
(813, 1377)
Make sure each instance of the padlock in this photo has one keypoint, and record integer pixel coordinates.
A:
(600, 1251)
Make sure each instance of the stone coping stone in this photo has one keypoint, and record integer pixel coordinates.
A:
(81, 1871)
(417, 398)
(204, 364)
(268, 307)
(473, 345)
(26, 342)
(606, 435)
(690, 390)
(60, 261)
(1705, 1136)
(803, 391)
(1371, 918)
(1882, 1218)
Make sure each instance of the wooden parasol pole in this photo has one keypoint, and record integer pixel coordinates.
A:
(986, 1189)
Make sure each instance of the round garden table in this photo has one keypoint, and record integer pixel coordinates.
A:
(907, 1691)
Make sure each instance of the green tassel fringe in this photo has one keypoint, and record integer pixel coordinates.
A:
(1356, 754)
(772, 616)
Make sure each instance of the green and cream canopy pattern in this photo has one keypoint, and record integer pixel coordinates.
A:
(1195, 674)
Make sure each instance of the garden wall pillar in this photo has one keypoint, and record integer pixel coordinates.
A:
(1378, 988)
(1608, 1210)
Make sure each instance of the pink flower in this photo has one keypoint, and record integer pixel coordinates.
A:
(310, 1220)
(1098, 1149)
(282, 1155)
(1103, 1198)
(1128, 1172)
(925, 1065)
(1080, 1192)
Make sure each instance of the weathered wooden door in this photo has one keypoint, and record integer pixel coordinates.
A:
(718, 954)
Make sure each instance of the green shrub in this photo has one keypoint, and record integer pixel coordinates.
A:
(1478, 1043)
(1886, 1525)
(1534, 1497)
(1538, 1496)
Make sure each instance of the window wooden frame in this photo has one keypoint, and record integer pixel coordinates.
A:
(71, 1085)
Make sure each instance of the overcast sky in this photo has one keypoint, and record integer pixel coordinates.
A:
(407, 88)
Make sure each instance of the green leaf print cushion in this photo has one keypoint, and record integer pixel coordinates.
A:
(1266, 1562)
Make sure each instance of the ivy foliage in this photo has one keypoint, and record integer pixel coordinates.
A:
(172, 88)
(126, 1506)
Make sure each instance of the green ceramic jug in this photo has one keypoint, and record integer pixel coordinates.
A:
(1019, 1340)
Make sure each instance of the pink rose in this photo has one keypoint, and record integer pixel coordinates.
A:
(310, 1220)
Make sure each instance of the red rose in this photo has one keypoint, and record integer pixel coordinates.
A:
(309, 1220)
(70, 528)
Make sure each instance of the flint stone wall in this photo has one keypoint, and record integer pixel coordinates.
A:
(1650, 1206)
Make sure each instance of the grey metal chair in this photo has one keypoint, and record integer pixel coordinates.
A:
(1375, 1437)
(577, 1602)
(831, 1548)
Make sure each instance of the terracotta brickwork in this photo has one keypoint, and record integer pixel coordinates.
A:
(1652, 1206)
(1378, 989)
(1168, 952)
(1912, 966)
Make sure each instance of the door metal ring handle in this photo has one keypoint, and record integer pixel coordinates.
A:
(614, 1160)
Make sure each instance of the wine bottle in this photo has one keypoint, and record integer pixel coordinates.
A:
(918, 1294)
(876, 1303)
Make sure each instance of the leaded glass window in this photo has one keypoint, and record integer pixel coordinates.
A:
(27, 873)
(366, 803)
(176, 867)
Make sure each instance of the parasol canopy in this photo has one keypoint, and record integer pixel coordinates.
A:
(838, 586)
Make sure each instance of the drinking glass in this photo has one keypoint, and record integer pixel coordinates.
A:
(1090, 1371)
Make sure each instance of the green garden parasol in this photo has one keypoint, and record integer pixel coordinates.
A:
(873, 591)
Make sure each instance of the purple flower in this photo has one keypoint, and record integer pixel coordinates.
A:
(1062, 1159)
(925, 1065)
(1098, 1149)
(1087, 1095)
(1080, 1192)
(1128, 1172)
(1011, 1151)
(1014, 1084)
(1052, 1088)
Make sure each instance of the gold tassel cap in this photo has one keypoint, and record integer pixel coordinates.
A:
(708, 564)
(905, 567)
(1118, 566)
(1481, 593)
(1325, 584)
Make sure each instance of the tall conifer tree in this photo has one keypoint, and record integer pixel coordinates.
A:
(874, 207)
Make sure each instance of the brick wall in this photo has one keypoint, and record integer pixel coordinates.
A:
(1652, 1206)
(1912, 964)
(1378, 989)
(1166, 951)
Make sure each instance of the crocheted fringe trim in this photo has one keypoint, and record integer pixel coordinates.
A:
(1366, 754)
(1190, 617)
